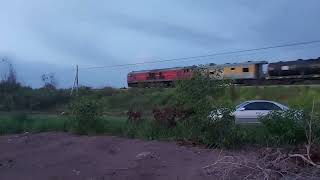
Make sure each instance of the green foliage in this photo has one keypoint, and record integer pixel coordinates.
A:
(200, 94)
(315, 120)
(200, 90)
(17, 97)
(252, 134)
(14, 124)
(19, 123)
(86, 116)
(285, 127)
(119, 101)
(220, 129)
(298, 97)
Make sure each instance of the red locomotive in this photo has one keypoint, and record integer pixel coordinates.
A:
(159, 77)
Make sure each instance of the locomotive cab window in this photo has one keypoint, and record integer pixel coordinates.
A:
(152, 75)
(245, 69)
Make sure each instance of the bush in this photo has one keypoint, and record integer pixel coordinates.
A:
(285, 127)
(165, 117)
(201, 94)
(16, 123)
(86, 116)
(220, 129)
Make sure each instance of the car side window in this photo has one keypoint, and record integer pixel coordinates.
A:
(262, 106)
(272, 107)
(253, 106)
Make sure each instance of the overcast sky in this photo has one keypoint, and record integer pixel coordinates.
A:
(52, 36)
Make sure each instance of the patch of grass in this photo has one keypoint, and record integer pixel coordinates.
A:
(294, 96)
(116, 102)
(12, 124)
(114, 125)
(145, 100)
(47, 123)
(237, 136)
(252, 134)
(19, 123)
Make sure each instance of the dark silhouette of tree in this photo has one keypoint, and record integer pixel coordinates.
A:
(11, 76)
(49, 81)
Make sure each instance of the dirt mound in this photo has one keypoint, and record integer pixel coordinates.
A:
(61, 156)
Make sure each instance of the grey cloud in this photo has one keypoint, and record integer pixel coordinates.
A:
(106, 33)
(168, 30)
(84, 47)
(289, 21)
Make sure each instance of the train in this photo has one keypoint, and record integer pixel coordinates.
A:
(245, 73)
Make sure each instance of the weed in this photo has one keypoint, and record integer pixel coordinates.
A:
(86, 116)
(285, 127)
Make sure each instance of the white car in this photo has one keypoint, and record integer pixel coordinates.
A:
(248, 111)
(251, 111)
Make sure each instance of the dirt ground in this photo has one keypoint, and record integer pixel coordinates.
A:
(62, 156)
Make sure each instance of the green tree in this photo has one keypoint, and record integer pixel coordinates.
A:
(202, 92)
(201, 95)
(86, 116)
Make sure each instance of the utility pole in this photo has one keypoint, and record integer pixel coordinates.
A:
(77, 77)
(76, 82)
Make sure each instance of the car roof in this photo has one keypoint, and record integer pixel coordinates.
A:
(259, 100)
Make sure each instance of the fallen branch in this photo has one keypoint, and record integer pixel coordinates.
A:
(307, 160)
(310, 135)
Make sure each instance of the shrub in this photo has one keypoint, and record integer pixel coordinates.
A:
(165, 117)
(200, 95)
(134, 116)
(284, 127)
(86, 116)
(16, 123)
(220, 129)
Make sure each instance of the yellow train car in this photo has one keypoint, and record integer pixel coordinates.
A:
(246, 70)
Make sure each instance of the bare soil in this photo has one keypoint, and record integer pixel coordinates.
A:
(62, 156)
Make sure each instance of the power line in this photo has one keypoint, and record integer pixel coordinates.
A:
(192, 58)
(213, 58)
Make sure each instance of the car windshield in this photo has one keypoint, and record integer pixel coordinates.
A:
(284, 107)
(242, 104)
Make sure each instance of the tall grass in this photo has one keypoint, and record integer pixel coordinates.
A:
(293, 96)
(236, 137)
(146, 99)
(20, 123)
(116, 102)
